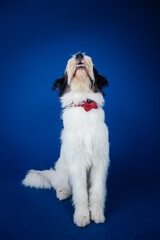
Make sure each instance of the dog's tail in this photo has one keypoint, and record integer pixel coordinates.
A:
(39, 179)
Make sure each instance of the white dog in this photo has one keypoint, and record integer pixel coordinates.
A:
(81, 170)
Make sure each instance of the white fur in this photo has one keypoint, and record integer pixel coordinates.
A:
(82, 167)
(38, 179)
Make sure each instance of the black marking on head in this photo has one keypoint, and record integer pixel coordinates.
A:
(100, 82)
(61, 84)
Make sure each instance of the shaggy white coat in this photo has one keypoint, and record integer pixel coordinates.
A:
(81, 170)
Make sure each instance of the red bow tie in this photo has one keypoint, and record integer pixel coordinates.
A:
(87, 105)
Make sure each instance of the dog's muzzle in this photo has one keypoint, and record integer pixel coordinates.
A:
(79, 59)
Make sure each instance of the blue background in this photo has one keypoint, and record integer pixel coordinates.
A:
(36, 40)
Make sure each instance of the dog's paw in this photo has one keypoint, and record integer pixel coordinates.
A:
(97, 216)
(63, 194)
(82, 219)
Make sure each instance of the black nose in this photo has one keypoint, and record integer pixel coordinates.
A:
(79, 56)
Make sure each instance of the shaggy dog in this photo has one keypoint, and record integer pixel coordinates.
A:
(81, 170)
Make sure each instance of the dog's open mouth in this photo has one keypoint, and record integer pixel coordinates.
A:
(80, 65)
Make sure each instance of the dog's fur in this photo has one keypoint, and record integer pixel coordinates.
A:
(81, 170)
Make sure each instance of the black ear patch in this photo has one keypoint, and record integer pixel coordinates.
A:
(100, 81)
(61, 84)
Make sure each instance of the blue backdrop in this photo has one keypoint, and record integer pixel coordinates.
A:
(36, 40)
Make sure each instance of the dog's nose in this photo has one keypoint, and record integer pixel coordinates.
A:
(79, 56)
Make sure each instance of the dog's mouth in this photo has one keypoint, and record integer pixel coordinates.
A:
(80, 65)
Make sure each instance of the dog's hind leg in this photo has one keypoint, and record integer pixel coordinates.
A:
(53, 178)
(60, 180)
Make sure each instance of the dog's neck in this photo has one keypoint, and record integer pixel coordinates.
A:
(76, 97)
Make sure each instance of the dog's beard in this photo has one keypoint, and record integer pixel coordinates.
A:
(80, 81)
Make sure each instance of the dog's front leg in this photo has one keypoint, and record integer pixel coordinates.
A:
(97, 192)
(80, 196)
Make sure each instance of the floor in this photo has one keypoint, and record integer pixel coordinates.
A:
(132, 211)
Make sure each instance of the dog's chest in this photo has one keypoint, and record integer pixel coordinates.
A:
(76, 119)
(84, 133)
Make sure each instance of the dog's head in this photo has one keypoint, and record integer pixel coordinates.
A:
(80, 75)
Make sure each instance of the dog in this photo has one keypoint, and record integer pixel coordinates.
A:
(81, 170)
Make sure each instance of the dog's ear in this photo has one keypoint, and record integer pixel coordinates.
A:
(61, 84)
(100, 81)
